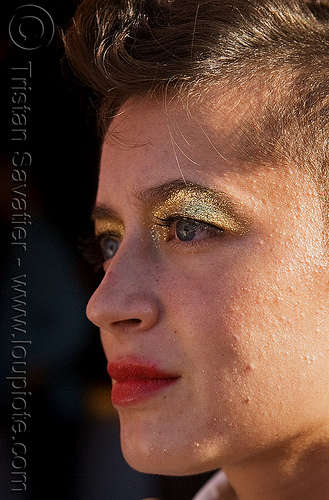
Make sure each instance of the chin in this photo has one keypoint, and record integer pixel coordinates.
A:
(162, 465)
(157, 444)
(151, 458)
(167, 459)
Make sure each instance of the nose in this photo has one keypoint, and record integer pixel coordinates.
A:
(124, 300)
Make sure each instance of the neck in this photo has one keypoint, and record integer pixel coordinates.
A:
(295, 471)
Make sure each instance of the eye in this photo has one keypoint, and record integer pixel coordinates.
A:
(109, 246)
(188, 229)
(185, 229)
(99, 249)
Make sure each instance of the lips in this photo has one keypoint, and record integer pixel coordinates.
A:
(136, 380)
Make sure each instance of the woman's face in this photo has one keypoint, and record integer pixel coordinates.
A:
(213, 309)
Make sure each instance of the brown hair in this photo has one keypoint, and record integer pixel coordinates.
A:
(278, 49)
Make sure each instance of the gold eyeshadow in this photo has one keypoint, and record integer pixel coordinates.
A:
(198, 203)
(108, 226)
(173, 201)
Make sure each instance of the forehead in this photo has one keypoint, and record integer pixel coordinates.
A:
(186, 125)
(151, 142)
(152, 132)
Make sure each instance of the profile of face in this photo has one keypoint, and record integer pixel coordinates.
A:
(213, 308)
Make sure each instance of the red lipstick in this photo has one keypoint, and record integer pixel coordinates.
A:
(135, 380)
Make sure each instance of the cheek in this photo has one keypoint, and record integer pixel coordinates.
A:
(252, 320)
(242, 327)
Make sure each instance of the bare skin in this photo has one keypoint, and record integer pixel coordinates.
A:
(239, 312)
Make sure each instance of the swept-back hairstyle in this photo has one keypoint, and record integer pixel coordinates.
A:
(276, 49)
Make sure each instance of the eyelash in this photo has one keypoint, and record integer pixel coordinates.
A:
(91, 250)
(211, 229)
(92, 246)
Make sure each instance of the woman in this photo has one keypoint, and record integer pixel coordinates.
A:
(211, 226)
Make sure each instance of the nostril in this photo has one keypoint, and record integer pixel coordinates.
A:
(127, 322)
(134, 321)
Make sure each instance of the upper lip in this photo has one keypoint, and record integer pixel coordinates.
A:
(131, 368)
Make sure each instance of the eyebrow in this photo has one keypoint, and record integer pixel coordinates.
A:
(103, 212)
(158, 194)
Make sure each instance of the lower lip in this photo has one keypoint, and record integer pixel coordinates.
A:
(132, 391)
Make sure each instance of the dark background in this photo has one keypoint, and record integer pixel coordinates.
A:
(72, 436)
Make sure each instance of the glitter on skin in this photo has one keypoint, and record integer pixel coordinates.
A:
(107, 226)
(200, 204)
